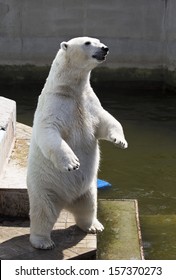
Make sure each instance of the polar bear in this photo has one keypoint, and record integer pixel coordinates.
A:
(64, 152)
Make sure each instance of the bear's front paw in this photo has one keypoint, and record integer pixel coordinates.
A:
(70, 162)
(122, 143)
(67, 161)
(73, 164)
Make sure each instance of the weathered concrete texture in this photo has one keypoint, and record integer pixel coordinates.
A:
(136, 34)
(121, 239)
(27, 75)
(170, 34)
(35, 76)
(7, 129)
(13, 192)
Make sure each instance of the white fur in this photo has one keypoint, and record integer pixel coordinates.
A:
(64, 153)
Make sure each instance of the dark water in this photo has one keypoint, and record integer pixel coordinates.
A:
(146, 171)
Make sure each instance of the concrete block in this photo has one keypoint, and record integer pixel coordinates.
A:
(13, 191)
(121, 239)
(7, 129)
(14, 202)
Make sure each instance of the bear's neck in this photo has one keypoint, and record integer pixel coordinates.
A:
(61, 75)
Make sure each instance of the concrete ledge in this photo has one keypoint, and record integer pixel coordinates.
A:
(121, 238)
(14, 202)
(13, 190)
(7, 129)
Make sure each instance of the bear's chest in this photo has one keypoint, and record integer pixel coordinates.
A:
(79, 124)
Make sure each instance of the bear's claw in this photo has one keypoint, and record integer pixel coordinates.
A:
(121, 144)
(74, 167)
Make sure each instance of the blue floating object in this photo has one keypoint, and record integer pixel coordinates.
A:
(101, 184)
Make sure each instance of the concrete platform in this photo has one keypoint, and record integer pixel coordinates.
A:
(71, 242)
(121, 238)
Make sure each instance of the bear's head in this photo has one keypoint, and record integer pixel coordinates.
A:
(84, 52)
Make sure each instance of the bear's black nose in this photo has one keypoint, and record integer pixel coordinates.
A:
(105, 49)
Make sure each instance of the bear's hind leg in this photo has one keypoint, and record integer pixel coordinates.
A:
(43, 215)
(85, 212)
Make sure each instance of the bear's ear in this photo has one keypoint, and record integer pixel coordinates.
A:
(64, 46)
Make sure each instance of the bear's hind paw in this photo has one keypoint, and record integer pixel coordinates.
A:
(95, 227)
(41, 242)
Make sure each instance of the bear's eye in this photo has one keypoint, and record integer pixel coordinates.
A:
(87, 43)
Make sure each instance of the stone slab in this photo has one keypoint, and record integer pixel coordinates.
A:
(121, 239)
(13, 190)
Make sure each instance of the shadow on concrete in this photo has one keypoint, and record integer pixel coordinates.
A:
(19, 248)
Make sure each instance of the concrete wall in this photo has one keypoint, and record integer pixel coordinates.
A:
(139, 33)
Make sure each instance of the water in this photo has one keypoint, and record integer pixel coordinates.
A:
(146, 171)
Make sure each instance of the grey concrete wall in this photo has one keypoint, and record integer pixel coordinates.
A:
(170, 35)
(139, 33)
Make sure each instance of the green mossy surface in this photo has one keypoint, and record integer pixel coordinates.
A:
(12, 75)
(120, 238)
